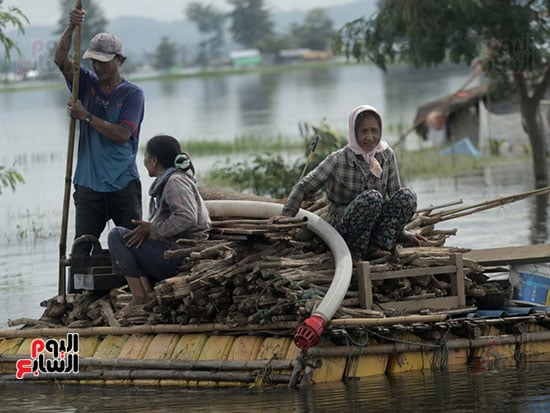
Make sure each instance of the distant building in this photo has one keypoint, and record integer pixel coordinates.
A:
(245, 58)
(302, 55)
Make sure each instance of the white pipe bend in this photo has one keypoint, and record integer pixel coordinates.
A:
(338, 247)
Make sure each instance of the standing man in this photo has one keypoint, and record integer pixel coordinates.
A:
(110, 109)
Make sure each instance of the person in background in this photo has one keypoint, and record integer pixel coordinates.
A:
(367, 204)
(111, 110)
(176, 210)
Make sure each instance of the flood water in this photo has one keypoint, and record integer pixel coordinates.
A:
(510, 390)
(34, 134)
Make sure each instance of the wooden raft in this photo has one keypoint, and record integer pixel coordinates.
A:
(454, 301)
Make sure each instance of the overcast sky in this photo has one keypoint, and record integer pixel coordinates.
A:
(46, 12)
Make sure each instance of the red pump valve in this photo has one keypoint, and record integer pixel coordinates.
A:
(308, 334)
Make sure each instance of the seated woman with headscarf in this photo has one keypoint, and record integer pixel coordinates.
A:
(367, 204)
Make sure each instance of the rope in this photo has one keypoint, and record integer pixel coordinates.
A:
(395, 340)
(440, 358)
(361, 345)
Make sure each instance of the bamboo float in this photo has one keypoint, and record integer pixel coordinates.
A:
(211, 376)
(398, 347)
(145, 329)
(161, 364)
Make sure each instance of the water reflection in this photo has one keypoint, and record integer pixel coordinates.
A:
(510, 390)
(255, 95)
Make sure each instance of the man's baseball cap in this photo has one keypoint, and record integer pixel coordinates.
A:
(104, 47)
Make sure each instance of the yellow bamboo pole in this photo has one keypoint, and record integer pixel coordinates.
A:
(146, 329)
(210, 376)
(457, 343)
(69, 166)
(167, 364)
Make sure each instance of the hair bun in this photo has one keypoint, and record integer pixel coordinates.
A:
(182, 162)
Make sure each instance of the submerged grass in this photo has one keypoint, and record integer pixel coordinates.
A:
(428, 163)
(243, 144)
(422, 163)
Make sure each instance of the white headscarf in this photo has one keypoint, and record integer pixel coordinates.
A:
(375, 167)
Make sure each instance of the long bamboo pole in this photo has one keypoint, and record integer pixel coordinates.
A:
(482, 206)
(146, 329)
(69, 166)
(388, 321)
(217, 376)
(457, 343)
(163, 364)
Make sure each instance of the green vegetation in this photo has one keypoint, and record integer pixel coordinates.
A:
(268, 174)
(9, 177)
(426, 163)
(15, 17)
(243, 144)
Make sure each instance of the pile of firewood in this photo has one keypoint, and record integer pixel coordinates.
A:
(252, 271)
(249, 272)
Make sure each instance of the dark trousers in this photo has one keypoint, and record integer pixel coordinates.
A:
(370, 219)
(94, 209)
(147, 260)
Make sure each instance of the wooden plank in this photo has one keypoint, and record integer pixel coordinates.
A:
(439, 303)
(413, 272)
(364, 285)
(527, 254)
(457, 282)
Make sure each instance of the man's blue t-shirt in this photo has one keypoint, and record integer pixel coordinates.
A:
(103, 165)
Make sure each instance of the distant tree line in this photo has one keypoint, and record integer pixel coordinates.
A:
(249, 23)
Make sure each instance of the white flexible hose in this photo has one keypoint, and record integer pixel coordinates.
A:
(340, 251)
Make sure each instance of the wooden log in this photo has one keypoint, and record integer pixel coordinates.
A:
(108, 314)
(31, 322)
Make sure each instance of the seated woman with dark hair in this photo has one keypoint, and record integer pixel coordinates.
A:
(176, 211)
